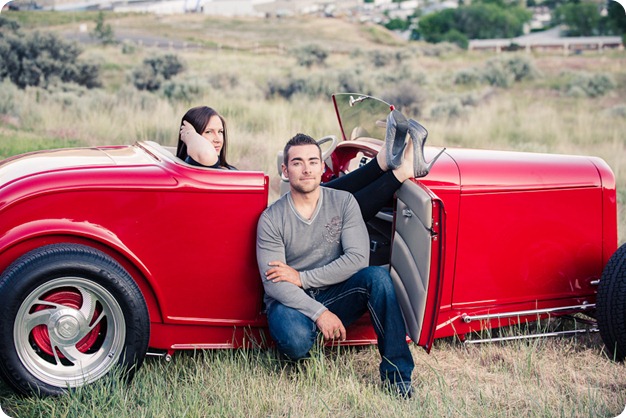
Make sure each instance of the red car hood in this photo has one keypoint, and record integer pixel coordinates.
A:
(491, 171)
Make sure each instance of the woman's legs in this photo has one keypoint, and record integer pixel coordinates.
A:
(373, 185)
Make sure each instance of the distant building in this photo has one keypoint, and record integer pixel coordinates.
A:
(541, 18)
(230, 8)
(437, 7)
(549, 40)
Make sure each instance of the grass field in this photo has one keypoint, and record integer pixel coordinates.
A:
(538, 378)
(232, 65)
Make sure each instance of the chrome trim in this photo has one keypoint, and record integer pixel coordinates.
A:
(469, 318)
(521, 337)
(163, 354)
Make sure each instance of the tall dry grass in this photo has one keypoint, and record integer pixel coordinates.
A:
(537, 378)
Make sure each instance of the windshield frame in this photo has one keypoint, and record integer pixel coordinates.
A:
(361, 115)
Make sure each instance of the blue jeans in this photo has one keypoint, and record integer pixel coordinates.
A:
(370, 289)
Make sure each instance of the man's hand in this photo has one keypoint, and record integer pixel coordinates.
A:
(281, 272)
(331, 326)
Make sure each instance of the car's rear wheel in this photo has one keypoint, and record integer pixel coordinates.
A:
(70, 314)
(611, 305)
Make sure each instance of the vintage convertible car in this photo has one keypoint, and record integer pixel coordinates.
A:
(108, 253)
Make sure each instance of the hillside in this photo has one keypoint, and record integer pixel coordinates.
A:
(262, 74)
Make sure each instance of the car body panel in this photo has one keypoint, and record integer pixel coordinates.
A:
(523, 231)
(155, 214)
(510, 232)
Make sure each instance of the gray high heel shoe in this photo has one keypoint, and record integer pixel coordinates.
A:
(395, 138)
(418, 135)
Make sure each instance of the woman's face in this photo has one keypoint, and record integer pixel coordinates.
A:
(214, 133)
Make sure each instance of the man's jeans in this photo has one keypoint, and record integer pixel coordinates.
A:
(369, 289)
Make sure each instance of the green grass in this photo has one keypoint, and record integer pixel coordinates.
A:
(546, 377)
(42, 20)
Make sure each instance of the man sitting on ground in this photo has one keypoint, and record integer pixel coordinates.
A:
(313, 255)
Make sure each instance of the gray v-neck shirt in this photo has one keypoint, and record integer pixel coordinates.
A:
(326, 249)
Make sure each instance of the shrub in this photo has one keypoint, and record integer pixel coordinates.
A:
(404, 75)
(522, 67)
(618, 111)
(467, 76)
(439, 49)
(316, 85)
(167, 65)
(9, 102)
(450, 108)
(496, 74)
(589, 85)
(283, 87)
(310, 55)
(380, 58)
(349, 81)
(503, 71)
(128, 48)
(8, 25)
(145, 78)
(407, 97)
(454, 106)
(183, 91)
(224, 81)
(42, 59)
(154, 71)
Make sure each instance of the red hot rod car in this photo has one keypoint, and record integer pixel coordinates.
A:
(101, 261)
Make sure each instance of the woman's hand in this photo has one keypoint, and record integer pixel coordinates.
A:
(187, 131)
(198, 147)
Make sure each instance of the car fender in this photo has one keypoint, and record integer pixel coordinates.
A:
(30, 235)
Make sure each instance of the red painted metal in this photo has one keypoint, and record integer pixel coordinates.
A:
(521, 231)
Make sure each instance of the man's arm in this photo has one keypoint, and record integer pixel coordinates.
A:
(270, 247)
(355, 244)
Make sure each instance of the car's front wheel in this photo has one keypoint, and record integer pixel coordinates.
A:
(69, 315)
(611, 305)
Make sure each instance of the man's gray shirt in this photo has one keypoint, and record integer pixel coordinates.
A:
(327, 249)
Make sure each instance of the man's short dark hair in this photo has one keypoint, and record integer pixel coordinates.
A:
(299, 139)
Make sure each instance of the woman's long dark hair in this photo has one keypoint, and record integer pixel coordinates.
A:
(199, 119)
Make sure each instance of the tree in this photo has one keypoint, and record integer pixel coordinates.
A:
(103, 32)
(398, 24)
(581, 19)
(480, 20)
(615, 22)
(432, 27)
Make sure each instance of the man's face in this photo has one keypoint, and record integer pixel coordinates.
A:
(304, 168)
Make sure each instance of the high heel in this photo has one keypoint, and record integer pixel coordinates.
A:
(418, 135)
(395, 139)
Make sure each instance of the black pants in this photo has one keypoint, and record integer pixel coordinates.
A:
(372, 187)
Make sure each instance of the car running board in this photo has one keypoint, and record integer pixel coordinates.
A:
(576, 308)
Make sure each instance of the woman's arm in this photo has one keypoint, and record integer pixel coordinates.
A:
(198, 147)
